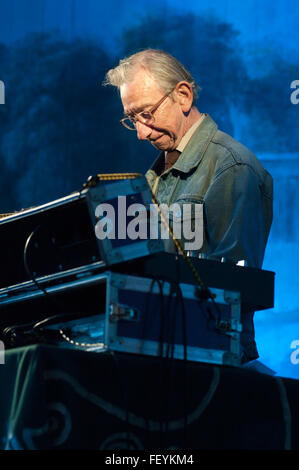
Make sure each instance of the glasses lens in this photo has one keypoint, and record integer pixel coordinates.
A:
(129, 124)
(146, 116)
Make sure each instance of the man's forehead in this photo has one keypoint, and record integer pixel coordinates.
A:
(136, 108)
(139, 93)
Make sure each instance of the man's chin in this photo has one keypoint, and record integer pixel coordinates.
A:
(159, 144)
(158, 147)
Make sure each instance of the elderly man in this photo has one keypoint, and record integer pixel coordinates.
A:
(197, 163)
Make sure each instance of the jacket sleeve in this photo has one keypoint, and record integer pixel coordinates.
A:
(237, 215)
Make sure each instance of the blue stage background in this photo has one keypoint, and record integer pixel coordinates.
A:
(59, 125)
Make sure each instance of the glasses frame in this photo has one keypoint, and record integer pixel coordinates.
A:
(137, 117)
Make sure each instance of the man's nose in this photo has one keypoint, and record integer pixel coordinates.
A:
(143, 131)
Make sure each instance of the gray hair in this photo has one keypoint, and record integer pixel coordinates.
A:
(165, 69)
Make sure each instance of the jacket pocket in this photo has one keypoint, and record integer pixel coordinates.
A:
(185, 218)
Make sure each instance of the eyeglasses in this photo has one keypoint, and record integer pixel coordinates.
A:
(146, 117)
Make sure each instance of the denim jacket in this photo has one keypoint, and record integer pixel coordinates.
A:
(237, 196)
(236, 192)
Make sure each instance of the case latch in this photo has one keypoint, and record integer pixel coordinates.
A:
(123, 312)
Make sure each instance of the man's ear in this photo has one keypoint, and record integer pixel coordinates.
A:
(184, 96)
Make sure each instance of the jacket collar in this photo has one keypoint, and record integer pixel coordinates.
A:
(194, 150)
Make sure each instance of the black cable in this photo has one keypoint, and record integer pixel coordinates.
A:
(184, 333)
(63, 314)
(11, 332)
(168, 371)
(53, 301)
(169, 320)
(148, 297)
(170, 362)
(30, 327)
(217, 308)
(204, 305)
(162, 322)
(173, 321)
(184, 327)
(162, 319)
(178, 279)
(167, 361)
(26, 265)
(163, 370)
(50, 320)
(179, 301)
(161, 329)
